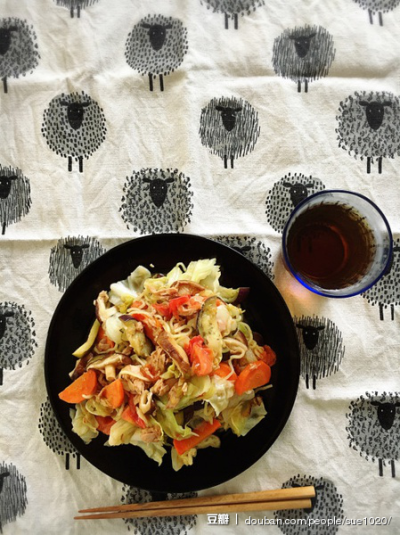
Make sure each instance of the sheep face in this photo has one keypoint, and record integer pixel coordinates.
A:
(69, 257)
(5, 185)
(303, 54)
(75, 112)
(310, 334)
(157, 34)
(286, 194)
(76, 253)
(15, 196)
(229, 127)
(3, 322)
(157, 200)
(18, 49)
(367, 125)
(5, 38)
(253, 249)
(302, 44)
(386, 413)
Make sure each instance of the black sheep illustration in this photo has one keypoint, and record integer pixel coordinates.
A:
(286, 194)
(156, 46)
(303, 54)
(233, 8)
(229, 128)
(69, 257)
(15, 196)
(368, 126)
(328, 503)
(13, 494)
(253, 249)
(54, 437)
(321, 348)
(377, 6)
(17, 336)
(157, 200)
(374, 428)
(77, 5)
(74, 127)
(18, 49)
(386, 292)
(178, 525)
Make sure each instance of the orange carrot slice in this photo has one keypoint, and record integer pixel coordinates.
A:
(224, 370)
(114, 393)
(203, 431)
(254, 375)
(104, 424)
(85, 385)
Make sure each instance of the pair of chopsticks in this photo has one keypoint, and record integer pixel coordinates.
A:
(265, 500)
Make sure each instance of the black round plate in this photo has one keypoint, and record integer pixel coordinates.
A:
(266, 312)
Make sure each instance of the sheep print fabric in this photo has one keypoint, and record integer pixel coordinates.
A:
(215, 118)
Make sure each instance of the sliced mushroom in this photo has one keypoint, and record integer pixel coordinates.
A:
(174, 351)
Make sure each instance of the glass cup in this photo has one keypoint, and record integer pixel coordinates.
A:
(337, 243)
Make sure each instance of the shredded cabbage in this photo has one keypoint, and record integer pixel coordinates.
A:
(84, 423)
(130, 287)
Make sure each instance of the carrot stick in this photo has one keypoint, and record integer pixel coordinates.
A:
(85, 385)
(114, 393)
(253, 375)
(203, 431)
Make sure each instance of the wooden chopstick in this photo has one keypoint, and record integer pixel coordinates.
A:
(269, 500)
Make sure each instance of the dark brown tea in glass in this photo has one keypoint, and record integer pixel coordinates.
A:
(335, 241)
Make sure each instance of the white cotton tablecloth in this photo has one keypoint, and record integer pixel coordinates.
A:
(294, 137)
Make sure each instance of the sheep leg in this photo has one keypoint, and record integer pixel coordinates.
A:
(81, 164)
(236, 21)
(3, 230)
(78, 461)
(299, 86)
(380, 18)
(305, 86)
(225, 162)
(371, 18)
(232, 160)
(78, 9)
(381, 317)
(1, 376)
(5, 84)
(70, 163)
(392, 312)
(161, 82)
(226, 21)
(67, 461)
(307, 382)
(393, 468)
(314, 382)
(150, 81)
(368, 164)
(380, 165)
(380, 467)
(72, 12)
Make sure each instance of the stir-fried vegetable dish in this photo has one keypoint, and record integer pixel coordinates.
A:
(169, 363)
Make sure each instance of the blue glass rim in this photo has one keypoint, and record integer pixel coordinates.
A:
(322, 292)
